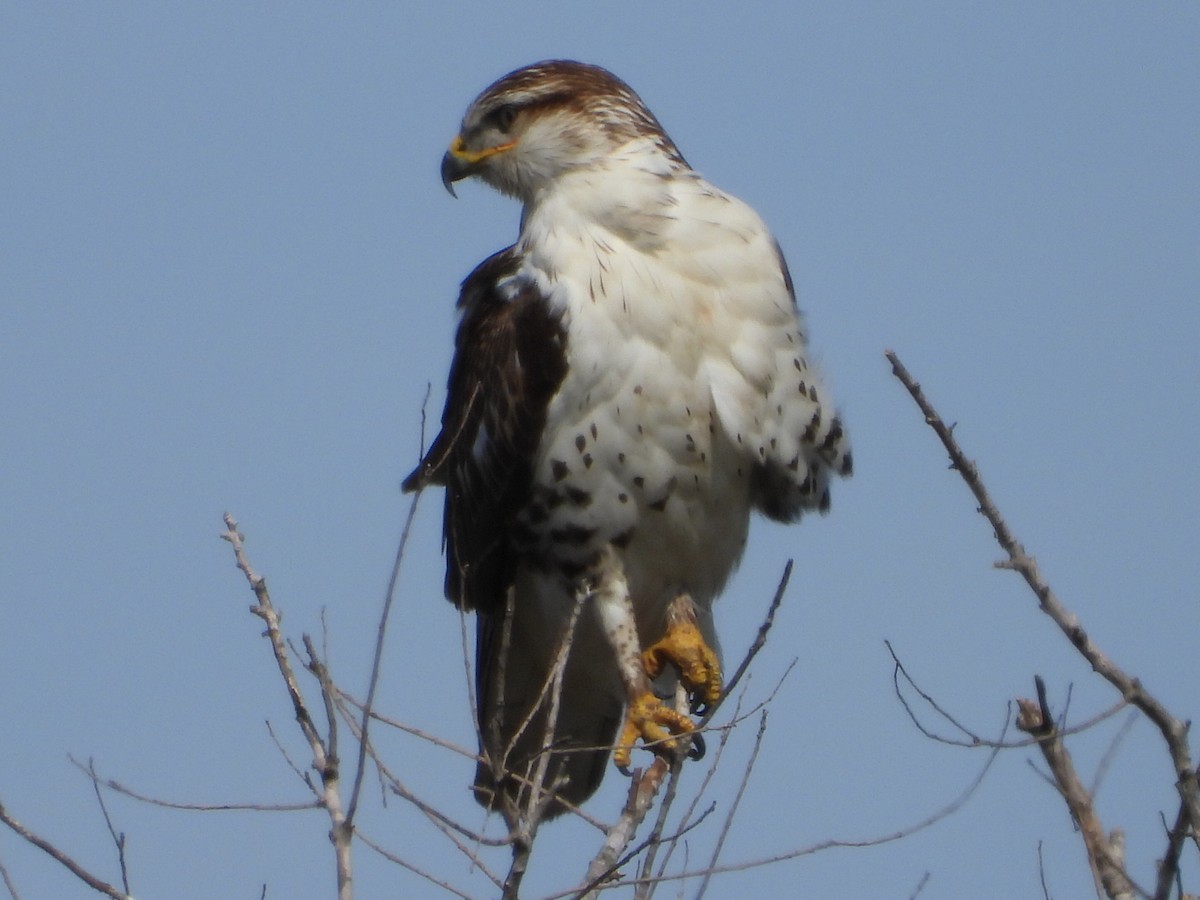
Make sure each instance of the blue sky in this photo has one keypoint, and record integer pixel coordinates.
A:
(228, 274)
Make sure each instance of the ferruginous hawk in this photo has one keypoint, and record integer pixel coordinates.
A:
(630, 380)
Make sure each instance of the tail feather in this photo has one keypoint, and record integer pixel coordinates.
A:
(524, 755)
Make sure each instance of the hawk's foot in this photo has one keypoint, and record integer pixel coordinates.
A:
(655, 723)
(683, 646)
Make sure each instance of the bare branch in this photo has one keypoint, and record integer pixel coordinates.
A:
(974, 739)
(8, 882)
(642, 790)
(376, 662)
(760, 641)
(415, 869)
(645, 889)
(899, 834)
(1111, 753)
(1173, 730)
(117, 839)
(1042, 873)
(920, 887)
(1035, 719)
(737, 800)
(61, 858)
(324, 762)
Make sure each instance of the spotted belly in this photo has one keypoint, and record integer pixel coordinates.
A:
(641, 465)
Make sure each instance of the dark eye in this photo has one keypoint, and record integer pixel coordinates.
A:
(504, 116)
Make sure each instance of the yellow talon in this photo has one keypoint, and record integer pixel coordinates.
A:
(654, 722)
(684, 646)
(649, 718)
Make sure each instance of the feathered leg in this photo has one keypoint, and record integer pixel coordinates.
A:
(647, 717)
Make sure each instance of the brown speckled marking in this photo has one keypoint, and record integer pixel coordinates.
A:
(559, 469)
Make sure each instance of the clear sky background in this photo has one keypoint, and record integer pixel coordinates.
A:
(228, 271)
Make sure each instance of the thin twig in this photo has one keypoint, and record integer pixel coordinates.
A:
(377, 660)
(728, 824)
(61, 858)
(415, 869)
(8, 882)
(1168, 866)
(118, 839)
(1110, 754)
(920, 887)
(899, 834)
(324, 763)
(1042, 873)
(644, 891)
(974, 739)
(760, 641)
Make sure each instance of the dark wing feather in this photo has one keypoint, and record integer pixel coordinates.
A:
(509, 360)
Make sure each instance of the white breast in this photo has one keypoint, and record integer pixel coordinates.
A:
(680, 329)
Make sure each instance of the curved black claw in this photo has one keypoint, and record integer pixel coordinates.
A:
(698, 748)
(699, 706)
(626, 771)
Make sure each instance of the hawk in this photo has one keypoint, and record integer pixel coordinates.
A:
(630, 381)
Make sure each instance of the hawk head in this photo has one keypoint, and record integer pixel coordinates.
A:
(547, 119)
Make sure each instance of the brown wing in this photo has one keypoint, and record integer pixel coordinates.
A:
(509, 360)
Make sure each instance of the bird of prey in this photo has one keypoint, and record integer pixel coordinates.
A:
(630, 380)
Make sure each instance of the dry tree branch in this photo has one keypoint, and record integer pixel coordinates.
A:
(8, 882)
(118, 788)
(118, 839)
(899, 834)
(1105, 854)
(653, 841)
(416, 870)
(377, 660)
(899, 671)
(61, 858)
(1110, 754)
(920, 886)
(1173, 730)
(733, 808)
(449, 828)
(642, 789)
(323, 761)
(1042, 873)
(1168, 867)
(1107, 866)
(383, 719)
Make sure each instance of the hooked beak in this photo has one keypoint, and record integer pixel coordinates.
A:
(459, 162)
(453, 169)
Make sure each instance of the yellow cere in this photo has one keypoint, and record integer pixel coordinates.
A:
(459, 150)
